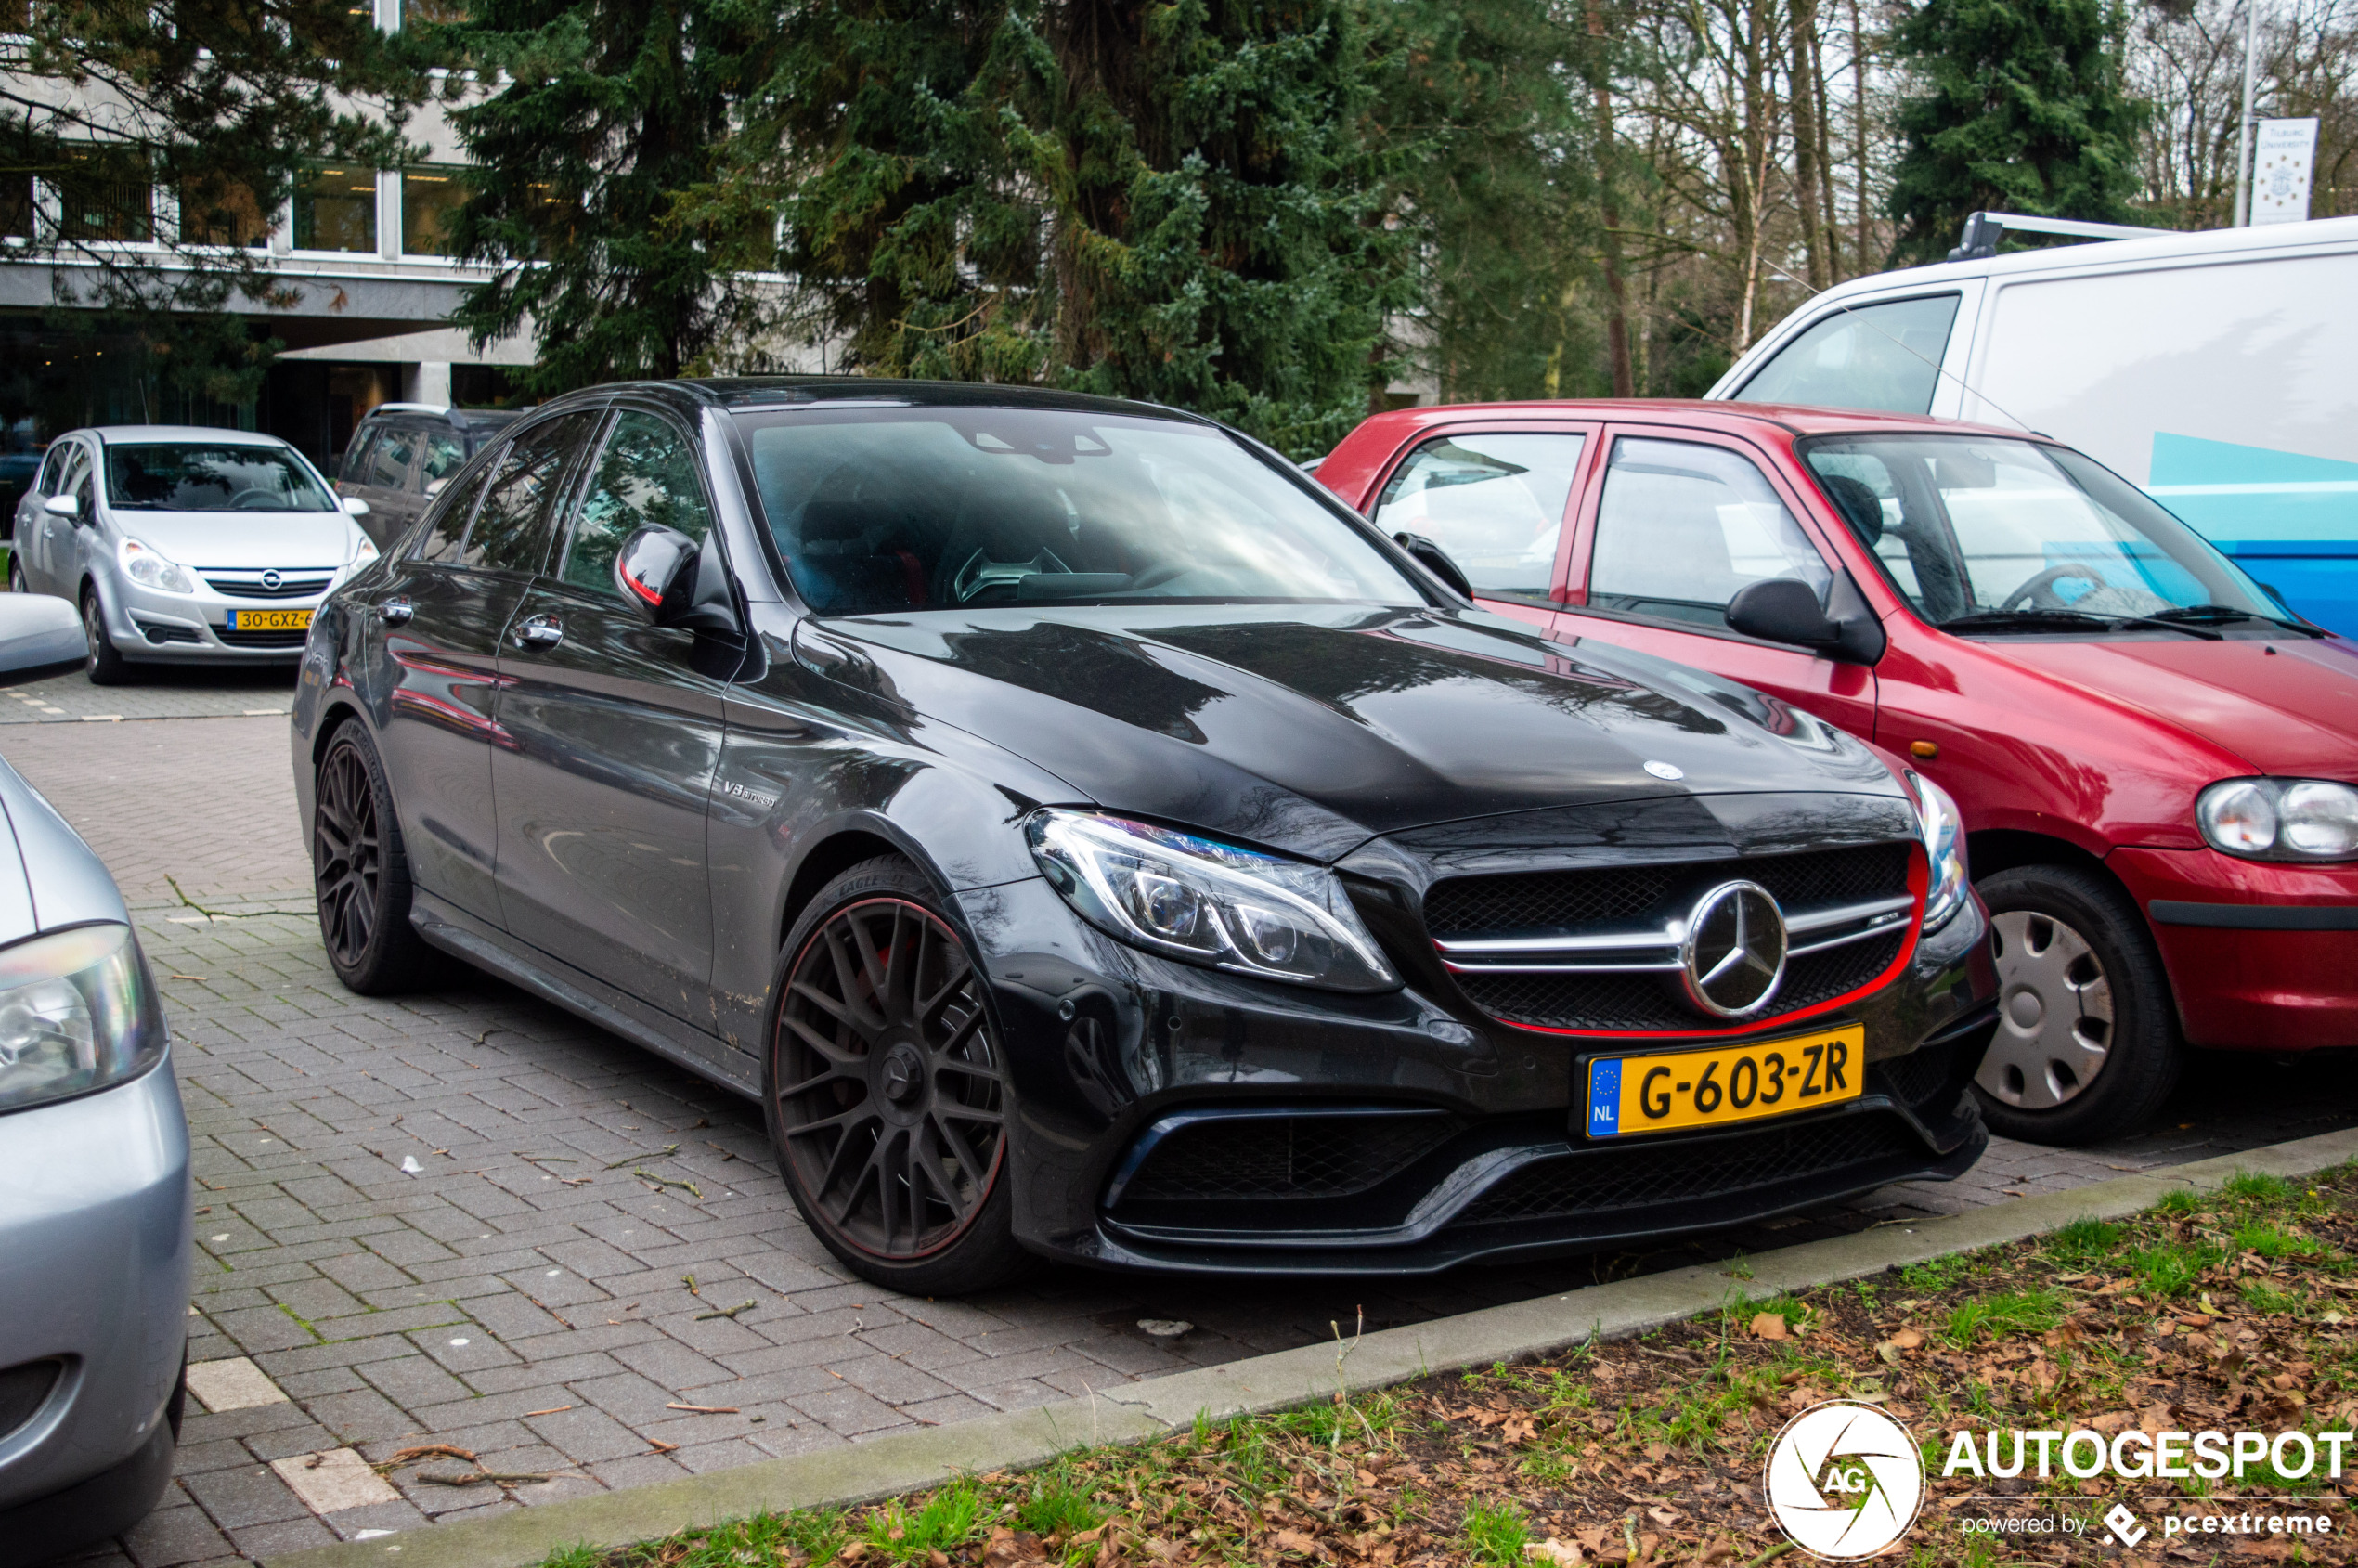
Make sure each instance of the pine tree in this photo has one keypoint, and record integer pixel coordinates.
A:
(608, 116)
(2020, 108)
(1182, 200)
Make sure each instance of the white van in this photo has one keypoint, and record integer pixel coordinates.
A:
(2217, 369)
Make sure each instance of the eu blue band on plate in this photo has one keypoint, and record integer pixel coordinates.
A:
(1604, 1098)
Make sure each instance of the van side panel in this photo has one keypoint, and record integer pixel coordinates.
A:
(2225, 387)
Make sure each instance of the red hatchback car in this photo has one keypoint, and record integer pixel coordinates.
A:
(2156, 761)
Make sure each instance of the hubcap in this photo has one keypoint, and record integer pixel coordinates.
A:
(889, 1091)
(345, 858)
(2056, 1020)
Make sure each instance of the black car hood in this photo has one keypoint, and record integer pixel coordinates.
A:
(1310, 730)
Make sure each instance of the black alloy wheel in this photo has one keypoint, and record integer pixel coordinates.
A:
(361, 873)
(887, 1097)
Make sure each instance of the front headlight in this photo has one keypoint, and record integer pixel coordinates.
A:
(362, 553)
(1944, 833)
(150, 568)
(77, 1013)
(2280, 819)
(1208, 902)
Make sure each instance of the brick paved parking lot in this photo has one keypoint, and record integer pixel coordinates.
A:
(465, 1218)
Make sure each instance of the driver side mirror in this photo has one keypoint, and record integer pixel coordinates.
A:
(672, 580)
(1786, 610)
(355, 507)
(61, 506)
(1435, 559)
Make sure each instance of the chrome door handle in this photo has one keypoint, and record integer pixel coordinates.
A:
(540, 631)
(395, 612)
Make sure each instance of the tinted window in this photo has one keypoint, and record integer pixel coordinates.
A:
(356, 457)
(1965, 524)
(448, 520)
(389, 461)
(445, 454)
(646, 478)
(1496, 503)
(52, 466)
(512, 527)
(1883, 356)
(879, 511)
(188, 477)
(1681, 527)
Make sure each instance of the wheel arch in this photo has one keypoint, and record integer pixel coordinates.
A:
(832, 856)
(335, 713)
(1995, 850)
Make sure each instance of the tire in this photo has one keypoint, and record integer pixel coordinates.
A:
(360, 872)
(15, 575)
(2087, 1046)
(103, 663)
(886, 1088)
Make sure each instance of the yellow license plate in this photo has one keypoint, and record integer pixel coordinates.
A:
(269, 620)
(1672, 1089)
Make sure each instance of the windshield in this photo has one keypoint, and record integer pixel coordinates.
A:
(1990, 535)
(183, 477)
(883, 511)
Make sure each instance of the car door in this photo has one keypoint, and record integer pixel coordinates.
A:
(66, 540)
(441, 615)
(32, 515)
(1674, 523)
(611, 730)
(1494, 501)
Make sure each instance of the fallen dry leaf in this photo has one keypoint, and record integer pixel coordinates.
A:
(1553, 1550)
(1770, 1326)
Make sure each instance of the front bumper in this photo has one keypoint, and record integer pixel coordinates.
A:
(95, 1256)
(1408, 1134)
(154, 627)
(2263, 955)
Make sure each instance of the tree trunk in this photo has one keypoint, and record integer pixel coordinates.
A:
(1625, 383)
(1807, 145)
(1865, 252)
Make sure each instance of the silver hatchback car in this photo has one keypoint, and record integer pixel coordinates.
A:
(182, 544)
(95, 1223)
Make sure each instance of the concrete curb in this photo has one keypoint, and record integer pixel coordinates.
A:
(1131, 1412)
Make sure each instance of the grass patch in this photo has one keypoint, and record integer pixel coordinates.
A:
(2010, 1312)
(2084, 1243)
(1496, 1534)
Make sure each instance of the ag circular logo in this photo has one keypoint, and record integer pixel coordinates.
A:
(1734, 950)
(1845, 1481)
(271, 580)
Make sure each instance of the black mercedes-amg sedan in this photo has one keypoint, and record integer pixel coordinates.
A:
(1086, 837)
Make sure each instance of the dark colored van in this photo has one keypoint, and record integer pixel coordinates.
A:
(402, 455)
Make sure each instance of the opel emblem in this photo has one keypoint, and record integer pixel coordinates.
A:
(1733, 956)
(270, 580)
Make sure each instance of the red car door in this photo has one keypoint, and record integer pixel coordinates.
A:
(1672, 523)
(1494, 496)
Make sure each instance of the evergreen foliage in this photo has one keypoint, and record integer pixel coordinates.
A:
(2020, 108)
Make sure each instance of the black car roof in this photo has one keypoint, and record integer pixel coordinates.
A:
(748, 394)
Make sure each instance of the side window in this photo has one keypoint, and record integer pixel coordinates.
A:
(446, 452)
(53, 465)
(1496, 503)
(1881, 356)
(389, 458)
(77, 482)
(1681, 527)
(646, 478)
(446, 526)
(356, 457)
(511, 531)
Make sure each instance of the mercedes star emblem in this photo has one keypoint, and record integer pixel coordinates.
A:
(271, 579)
(1734, 953)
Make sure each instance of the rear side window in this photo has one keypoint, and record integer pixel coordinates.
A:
(446, 525)
(646, 478)
(356, 457)
(1495, 503)
(512, 527)
(1880, 356)
(446, 453)
(1682, 526)
(389, 461)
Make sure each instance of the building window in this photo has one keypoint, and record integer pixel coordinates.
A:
(428, 199)
(216, 212)
(434, 13)
(16, 206)
(336, 210)
(106, 194)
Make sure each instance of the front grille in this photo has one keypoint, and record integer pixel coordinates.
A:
(25, 1389)
(1644, 1174)
(1284, 1156)
(1643, 903)
(263, 639)
(1918, 1076)
(252, 587)
(1654, 1002)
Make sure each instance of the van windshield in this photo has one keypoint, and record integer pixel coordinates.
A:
(185, 477)
(1988, 536)
(887, 511)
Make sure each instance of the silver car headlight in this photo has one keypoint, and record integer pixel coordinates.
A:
(1944, 835)
(151, 568)
(2280, 819)
(1208, 902)
(77, 1013)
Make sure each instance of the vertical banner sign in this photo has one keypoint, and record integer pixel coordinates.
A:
(2281, 161)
